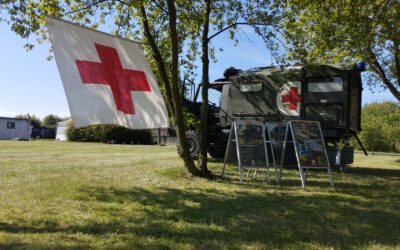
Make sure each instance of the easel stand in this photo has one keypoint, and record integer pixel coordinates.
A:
(272, 142)
(309, 147)
(247, 145)
(276, 136)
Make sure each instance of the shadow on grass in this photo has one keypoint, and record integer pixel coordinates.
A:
(209, 218)
(232, 178)
(377, 172)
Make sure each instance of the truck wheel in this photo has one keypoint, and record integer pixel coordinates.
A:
(193, 142)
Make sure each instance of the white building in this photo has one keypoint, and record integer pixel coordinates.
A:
(61, 134)
(14, 128)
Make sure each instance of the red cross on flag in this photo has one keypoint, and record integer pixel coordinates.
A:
(107, 79)
(289, 98)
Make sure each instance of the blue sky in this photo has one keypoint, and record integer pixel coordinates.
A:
(31, 84)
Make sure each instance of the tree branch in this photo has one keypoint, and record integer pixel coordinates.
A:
(119, 25)
(381, 72)
(397, 61)
(236, 24)
(275, 37)
(85, 8)
(378, 7)
(160, 7)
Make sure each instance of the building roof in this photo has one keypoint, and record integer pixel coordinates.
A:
(64, 123)
(13, 118)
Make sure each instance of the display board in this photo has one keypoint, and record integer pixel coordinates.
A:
(247, 146)
(309, 147)
(251, 143)
(276, 135)
(309, 144)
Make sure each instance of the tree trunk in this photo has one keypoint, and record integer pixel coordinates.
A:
(189, 164)
(159, 60)
(204, 92)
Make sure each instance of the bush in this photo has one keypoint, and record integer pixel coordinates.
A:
(108, 133)
(381, 127)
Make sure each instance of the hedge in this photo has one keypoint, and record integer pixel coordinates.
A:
(108, 134)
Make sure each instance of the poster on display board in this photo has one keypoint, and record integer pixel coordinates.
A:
(247, 146)
(309, 148)
(276, 135)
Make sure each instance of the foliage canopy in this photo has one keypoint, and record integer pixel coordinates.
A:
(381, 126)
(347, 31)
(172, 32)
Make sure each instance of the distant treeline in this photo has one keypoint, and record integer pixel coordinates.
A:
(380, 127)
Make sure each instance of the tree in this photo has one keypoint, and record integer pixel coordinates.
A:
(219, 17)
(347, 31)
(167, 27)
(381, 126)
(156, 20)
(50, 121)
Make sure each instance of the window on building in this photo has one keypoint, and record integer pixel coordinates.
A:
(11, 125)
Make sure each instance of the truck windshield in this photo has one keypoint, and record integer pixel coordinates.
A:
(250, 86)
(325, 84)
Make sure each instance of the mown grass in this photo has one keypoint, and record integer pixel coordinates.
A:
(84, 195)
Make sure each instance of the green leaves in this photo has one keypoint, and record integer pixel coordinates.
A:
(123, 18)
(346, 32)
(381, 126)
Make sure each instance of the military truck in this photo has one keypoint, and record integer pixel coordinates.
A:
(330, 94)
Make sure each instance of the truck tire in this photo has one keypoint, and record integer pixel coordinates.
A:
(193, 142)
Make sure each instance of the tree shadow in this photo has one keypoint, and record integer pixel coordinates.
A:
(209, 218)
(377, 172)
(231, 178)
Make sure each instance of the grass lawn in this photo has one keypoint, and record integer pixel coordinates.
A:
(85, 195)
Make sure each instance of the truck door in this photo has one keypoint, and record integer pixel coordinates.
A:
(324, 95)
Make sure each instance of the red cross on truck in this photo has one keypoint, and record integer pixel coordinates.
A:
(292, 98)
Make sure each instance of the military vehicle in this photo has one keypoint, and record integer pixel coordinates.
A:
(330, 94)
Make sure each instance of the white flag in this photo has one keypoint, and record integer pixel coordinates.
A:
(106, 79)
